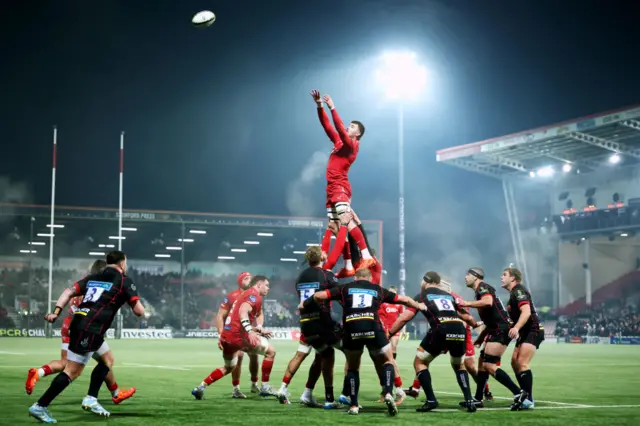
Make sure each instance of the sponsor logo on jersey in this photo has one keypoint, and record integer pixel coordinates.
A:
(252, 299)
(100, 284)
(355, 291)
(307, 286)
(439, 296)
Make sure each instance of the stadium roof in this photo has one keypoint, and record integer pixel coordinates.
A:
(578, 146)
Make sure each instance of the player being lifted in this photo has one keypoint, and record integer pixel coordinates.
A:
(104, 293)
(346, 144)
(497, 322)
(527, 331)
(447, 333)
(239, 335)
(244, 280)
(317, 328)
(117, 395)
(361, 302)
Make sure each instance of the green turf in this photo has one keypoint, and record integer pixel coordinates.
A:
(574, 385)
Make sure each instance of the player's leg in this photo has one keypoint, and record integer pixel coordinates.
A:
(328, 362)
(301, 354)
(73, 369)
(493, 351)
(381, 352)
(352, 378)
(359, 224)
(54, 366)
(333, 226)
(429, 349)
(523, 354)
(230, 352)
(254, 369)
(235, 378)
(117, 395)
(268, 351)
(105, 360)
(315, 371)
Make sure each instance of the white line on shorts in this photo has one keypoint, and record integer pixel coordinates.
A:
(568, 404)
(162, 367)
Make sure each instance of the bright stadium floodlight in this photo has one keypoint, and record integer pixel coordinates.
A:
(566, 168)
(614, 159)
(401, 76)
(545, 171)
(403, 79)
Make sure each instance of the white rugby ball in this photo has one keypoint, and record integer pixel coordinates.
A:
(203, 19)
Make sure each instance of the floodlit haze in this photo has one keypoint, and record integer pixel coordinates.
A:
(221, 120)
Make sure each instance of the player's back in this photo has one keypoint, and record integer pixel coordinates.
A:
(230, 299)
(495, 315)
(361, 300)
(310, 281)
(103, 294)
(441, 306)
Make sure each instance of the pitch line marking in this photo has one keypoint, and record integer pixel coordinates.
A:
(569, 404)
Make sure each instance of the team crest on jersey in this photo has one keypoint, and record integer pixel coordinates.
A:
(252, 299)
(226, 300)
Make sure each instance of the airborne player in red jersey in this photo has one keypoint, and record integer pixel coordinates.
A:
(56, 366)
(244, 280)
(346, 144)
(239, 335)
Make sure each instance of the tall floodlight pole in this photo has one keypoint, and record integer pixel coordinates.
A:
(52, 218)
(120, 193)
(403, 79)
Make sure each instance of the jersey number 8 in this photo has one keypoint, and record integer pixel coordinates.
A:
(444, 304)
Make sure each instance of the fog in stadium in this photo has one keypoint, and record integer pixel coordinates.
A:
(498, 134)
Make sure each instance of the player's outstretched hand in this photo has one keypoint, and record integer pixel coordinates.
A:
(51, 318)
(315, 94)
(253, 338)
(220, 344)
(422, 306)
(267, 333)
(345, 218)
(327, 100)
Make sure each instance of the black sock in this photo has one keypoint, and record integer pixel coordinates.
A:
(474, 376)
(463, 382)
(328, 394)
(481, 382)
(395, 354)
(355, 251)
(526, 382)
(56, 387)
(98, 375)
(388, 377)
(353, 379)
(345, 385)
(364, 234)
(425, 381)
(504, 379)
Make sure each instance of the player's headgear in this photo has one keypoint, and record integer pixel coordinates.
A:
(242, 276)
(432, 277)
(445, 285)
(476, 272)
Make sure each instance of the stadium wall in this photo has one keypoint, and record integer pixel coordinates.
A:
(607, 261)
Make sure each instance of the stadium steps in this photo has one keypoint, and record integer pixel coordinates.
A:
(614, 290)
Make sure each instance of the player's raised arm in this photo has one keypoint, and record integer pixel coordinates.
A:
(325, 122)
(484, 302)
(63, 300)
(337, 122)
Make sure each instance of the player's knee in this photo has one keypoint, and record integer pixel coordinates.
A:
(270, 353)
(229, 364)
(342, 207)
(522, 367)
(457, 363)
(303, 349)
(491, 359)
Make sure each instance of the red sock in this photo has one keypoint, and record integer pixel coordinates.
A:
(397, 382)
(326, 240)
(267, 365)
(286, 379)
(486, 387)
(416, 384)
(235, 382)
(498, 363)
(346, 252)
(215, 375)
(358, 237)
(47, 369)
(113, 387)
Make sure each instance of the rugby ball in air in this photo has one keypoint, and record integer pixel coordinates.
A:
(203, 19)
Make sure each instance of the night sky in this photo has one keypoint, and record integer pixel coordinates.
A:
(220, 119)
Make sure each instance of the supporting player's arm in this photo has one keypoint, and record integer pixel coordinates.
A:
(484, 302)
(402, 320)
(466, 317)
(221, 316)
